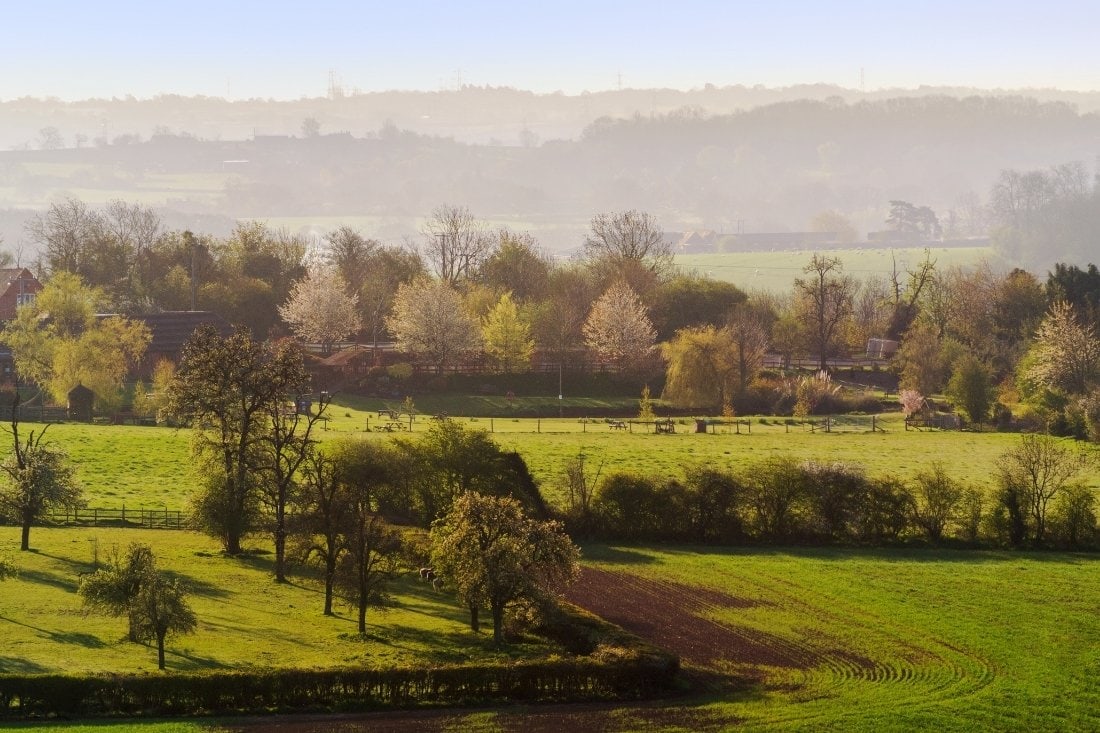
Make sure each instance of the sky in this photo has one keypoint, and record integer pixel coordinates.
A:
(76, 49)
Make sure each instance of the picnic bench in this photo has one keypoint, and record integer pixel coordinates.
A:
(616, 425)
(664, 426)
(391, 414)
(393, 426)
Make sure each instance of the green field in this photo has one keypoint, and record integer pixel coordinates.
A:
(245, 619)
(151, 467)
(891, 640)
(776, 271)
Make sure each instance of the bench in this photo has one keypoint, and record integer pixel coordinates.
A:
(616, 425)
(393, 426)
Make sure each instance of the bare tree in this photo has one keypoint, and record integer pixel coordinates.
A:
(456, 243)
(629, 245)
(825, 303)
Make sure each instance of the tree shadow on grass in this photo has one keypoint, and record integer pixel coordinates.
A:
(90, 641)
(54, 580)
(15, 665)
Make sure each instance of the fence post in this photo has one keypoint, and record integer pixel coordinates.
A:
(538, 424)
(124, 514)
(491, 428)
(787, 425)
(748, 423)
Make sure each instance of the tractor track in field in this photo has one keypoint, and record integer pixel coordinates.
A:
(674, 616)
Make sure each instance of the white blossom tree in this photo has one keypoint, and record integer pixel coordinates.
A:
(1066, 354)
(430, 320)
(618, 327)
(319, 309)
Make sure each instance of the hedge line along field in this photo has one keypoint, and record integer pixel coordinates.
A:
(245, 618)
(152, 467)
(875, 640)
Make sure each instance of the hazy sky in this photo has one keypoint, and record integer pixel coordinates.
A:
(240, 48)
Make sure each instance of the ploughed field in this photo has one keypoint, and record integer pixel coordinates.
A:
(833, 639)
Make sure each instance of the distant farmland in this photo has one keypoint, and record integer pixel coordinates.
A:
(775, 271)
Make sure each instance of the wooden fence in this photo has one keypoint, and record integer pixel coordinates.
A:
(139, 517)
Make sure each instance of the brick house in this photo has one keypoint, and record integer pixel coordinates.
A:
(17, 286)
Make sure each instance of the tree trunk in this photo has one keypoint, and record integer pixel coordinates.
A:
(498, 624)
(132, 620)
(160, 651)
(475, 623)
(25, 542)
(233, 543)
(328, 591)
(280, 551)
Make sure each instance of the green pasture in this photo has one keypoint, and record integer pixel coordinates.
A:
(776, 271)
(151, 467)
(901, 640)
(245, 618)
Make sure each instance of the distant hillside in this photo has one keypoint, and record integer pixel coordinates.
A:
(768, 168)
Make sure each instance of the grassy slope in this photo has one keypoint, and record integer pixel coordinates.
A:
(245, 618)
(948, 640)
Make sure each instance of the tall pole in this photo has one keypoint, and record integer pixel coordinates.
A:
(190, 239)
(559, 388)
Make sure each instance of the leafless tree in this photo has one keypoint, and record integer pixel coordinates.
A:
(456, 243)
(628, 245)
(826, 301)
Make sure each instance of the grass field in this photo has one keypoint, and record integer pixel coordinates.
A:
(827, 640)
(245, 619)
(855, 640)
(776, 271)
(151, 467)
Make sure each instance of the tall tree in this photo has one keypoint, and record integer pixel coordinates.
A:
(507, 337)
(430, 320)
(456, 244)
(825, 302)
(350, 253)
(320, 310)
(630, 246)
(40, 479)
(618, 327)
(495, 556)
(517, 266)
(282, 450)
(162, 609)
(390, 267)
(225, 388)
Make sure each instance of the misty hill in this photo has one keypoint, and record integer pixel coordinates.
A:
(769, 168)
